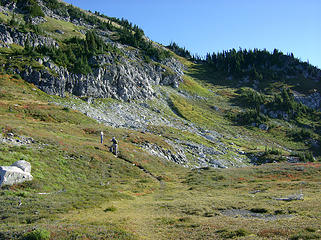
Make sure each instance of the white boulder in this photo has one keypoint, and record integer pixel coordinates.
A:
(23, 165)
(18, 172)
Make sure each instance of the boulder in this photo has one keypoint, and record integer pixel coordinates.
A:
(23, 165)
(59, 31)
(263, 127)
(18, 172)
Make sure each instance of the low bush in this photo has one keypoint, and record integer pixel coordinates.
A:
(110, 209)
(259, 210)
(250, 116)
(305, 236)
(38, 234)
(233, 234)
(250, 98)
(299, 135)
(305, 156)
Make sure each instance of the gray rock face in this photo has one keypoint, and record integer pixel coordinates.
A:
(18, 172)
(178, 157)
(10, 36)
(37, 20)
(116, 76)
(312, 101)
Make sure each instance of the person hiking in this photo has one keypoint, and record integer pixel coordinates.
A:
(101, 137)
(114, 147)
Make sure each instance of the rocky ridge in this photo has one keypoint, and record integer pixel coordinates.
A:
(123, 74)
(116, 77)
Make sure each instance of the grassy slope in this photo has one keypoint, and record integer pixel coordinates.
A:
(97, 196)
(90, 194)
(69, 30)
(67, 156)
(219, 101)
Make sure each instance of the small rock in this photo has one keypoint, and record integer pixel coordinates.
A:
(263, 127)
(59, 31)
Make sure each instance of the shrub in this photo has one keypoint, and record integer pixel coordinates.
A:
(273, 151)
(268, 233)
(250, 98)
(232, 234)
(38, 234)
(259, 210)
(250, 116)
(305, 236)
(300, 134)
(31, 7)
(13, 21)
(305, 156)
(110, 209)
(52, 4)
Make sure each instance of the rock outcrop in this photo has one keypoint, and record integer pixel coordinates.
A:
(120, 77)
(312, 101)
(18, 172)
(9, 35)
(178, 156)
(15, 140)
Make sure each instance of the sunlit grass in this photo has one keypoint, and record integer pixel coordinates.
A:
(69, 30)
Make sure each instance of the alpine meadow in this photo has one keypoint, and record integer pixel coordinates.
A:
(225, 146)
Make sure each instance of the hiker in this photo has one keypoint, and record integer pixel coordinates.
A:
(114, 147)
(101, 137)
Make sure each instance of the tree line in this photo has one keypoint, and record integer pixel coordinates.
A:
(256, 64)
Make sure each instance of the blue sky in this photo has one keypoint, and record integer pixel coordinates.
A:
(214, 25)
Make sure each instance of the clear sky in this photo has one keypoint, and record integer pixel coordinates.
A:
(203, 26)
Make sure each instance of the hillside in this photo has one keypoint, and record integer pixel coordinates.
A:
(217, 148)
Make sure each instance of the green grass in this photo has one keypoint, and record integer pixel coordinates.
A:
(4, 18)
(70, 30)
(197, 111)
(191, 86)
